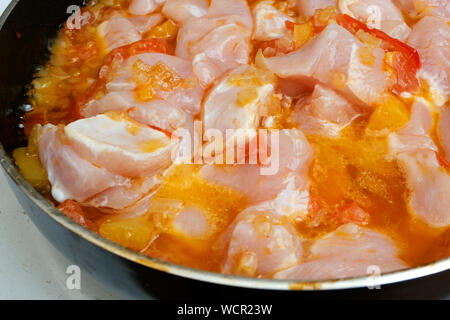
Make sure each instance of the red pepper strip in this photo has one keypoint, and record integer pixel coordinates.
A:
(406, 61)
(71, 209)
(442, 161)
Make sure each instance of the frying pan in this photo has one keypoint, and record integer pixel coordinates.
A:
(27, 29)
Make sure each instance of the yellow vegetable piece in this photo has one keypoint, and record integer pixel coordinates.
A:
(390, 114)
(167, 30)
(30, 167)
(302, 33)
(134, 233)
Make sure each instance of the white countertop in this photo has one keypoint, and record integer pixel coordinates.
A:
(30, 268)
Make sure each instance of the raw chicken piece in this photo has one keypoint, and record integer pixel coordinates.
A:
(145, 23)
(430, 185)
(124, 199)
(444, 131)
(118, 31)
(428, 180)
(308, 7)
(156, 113)
(334, 58)
(270, 23)
(236, 10)
(120, 145)
(160, 114)
(218, 41)
(379, 14)
(192, 222)
(286, 187)
(350, 251)
(324, 113)
(415, 135)
(143, 7)
(186, 93)
(185, 220)
(425, 7)
(227, 105)
(260, 244)
(181, 11)
(431, 37)
(71, 176)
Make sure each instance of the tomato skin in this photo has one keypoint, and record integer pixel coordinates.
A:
(71, 209)
(289, 25)
(406, 60)
(442, 161)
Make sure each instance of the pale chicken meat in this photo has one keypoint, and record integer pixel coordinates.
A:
(350, 251)
(71, 176)
(143, 7)
(118, 31)
(325, 112)
(333, 58)
(237, 101)
(174, 81)
(285, 185)
(379, 14)
(121, 30)
(217, 42)
(270, 23)
(428, 179)
(176, 218)
(146, 23)
(431, 37)
(156, 113)
(260, 244)
(120, 145)
(181, 11)
(130, 202)
(126, 199)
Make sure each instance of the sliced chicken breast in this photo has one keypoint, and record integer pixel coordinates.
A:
(334, 58)
(120, 145)
(350, 251)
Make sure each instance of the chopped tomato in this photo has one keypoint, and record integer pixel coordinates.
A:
(71, 209)
(33, 118)
(442, 161)
(290, 25)
(405, 60)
